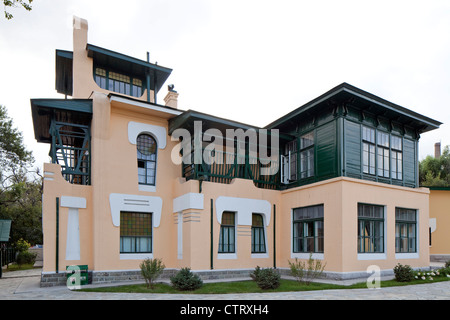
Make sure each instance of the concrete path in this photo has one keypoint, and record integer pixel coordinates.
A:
(24, 285)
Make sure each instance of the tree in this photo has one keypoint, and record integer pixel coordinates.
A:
(20, 187)
(26, 4)
(435, 172)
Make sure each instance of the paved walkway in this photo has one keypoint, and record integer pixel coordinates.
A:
(24, 285)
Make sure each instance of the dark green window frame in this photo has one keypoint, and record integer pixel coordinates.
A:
(258, 234)
(396, 158)
(136, 232)
(405, 230)
(147, 155)
(307, 155)
(308, 229)
(227, 237)
(383, 160)
(118, 82)
(370, 228)
(368, 150)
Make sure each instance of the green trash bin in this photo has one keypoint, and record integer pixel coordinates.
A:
(77, 273)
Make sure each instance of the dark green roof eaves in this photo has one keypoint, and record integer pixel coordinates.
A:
(91, 48)
(345, 87)
(189, 116)
(78, 105)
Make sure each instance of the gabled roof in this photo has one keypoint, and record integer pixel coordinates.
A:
(366, 102)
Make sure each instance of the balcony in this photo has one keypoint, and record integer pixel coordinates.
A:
(223, 167)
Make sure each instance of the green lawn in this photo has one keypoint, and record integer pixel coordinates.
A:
(248, 287)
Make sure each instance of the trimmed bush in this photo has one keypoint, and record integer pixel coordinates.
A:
(185, 280)
(403, 273)
(266, 278)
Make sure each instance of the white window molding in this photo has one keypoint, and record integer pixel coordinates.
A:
(157, 132)
(244, 208)
(135, 203)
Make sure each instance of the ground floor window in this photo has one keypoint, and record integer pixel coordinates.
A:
(227, 238)
(308, 229)
(405, 230)
(370, 228)
(135, 232)
(258, 237)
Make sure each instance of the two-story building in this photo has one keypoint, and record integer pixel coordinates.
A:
(132, 179)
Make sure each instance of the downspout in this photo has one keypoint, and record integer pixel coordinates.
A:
(57, 235)
(212, 237)
(274, 236)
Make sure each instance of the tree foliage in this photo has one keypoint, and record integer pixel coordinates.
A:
(20, 187)
(435, 172)
(26, 4)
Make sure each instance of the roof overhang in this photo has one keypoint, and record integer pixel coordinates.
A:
(126, 64)
(188, 119)
(43, 111)
(366, 102)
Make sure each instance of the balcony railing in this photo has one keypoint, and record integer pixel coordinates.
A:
(223, 167)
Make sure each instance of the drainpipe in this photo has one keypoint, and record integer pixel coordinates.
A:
(274, 236)
(212, 237)
(57, 235)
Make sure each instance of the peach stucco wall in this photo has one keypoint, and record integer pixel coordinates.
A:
(440, 214)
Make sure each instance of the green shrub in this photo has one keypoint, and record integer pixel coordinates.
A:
(185, 280)
(447, 264)
(266, 278)
(25, 257)
(305, 272)
(403, 273)
(151, 269)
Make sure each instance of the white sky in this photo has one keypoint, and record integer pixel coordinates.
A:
(251, 61)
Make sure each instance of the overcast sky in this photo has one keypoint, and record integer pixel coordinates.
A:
(251, 61)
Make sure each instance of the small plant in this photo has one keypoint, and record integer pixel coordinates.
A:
(306, 272)
(447, 264)
(403, 273)
(23, 255)
(151, 269)
(266, 278)
(185, 280)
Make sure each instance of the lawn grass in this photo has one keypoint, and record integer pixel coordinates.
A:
(248, 286)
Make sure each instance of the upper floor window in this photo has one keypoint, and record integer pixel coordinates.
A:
(368, 138)
(383, 154)
(396, 160)
(307, 155)
(118, 82)
(146, 157)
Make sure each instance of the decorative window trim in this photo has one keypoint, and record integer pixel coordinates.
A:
(157, 132)
(135, 203)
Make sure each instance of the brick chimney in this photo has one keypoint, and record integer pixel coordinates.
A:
(171, 98)
(437, 150)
